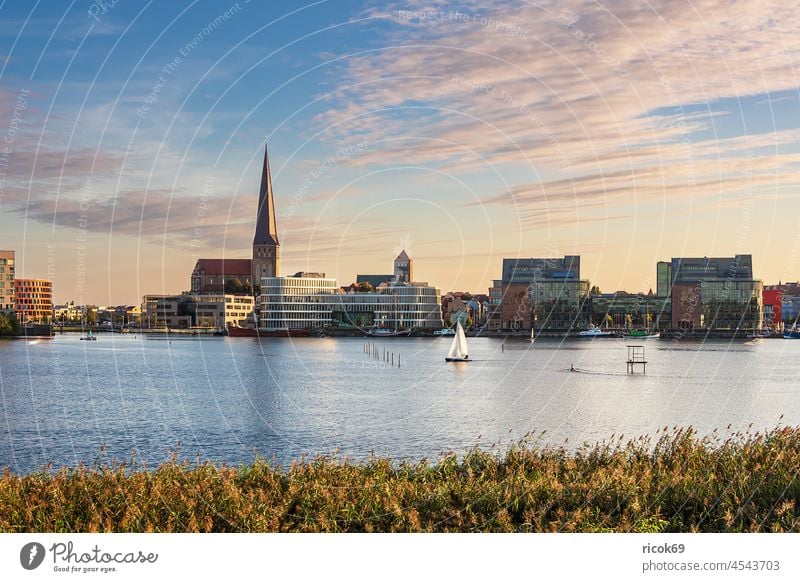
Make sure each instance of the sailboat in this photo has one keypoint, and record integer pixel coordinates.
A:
(458, 351)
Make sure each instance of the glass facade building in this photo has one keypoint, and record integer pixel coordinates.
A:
(316, 302)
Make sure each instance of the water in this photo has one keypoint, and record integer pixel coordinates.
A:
(226, 400)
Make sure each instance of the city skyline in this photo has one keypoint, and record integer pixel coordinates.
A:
(463, 133)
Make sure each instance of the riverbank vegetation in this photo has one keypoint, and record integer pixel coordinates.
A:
(678, 483)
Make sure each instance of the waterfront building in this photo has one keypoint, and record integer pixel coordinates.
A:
(631, 310)
(529, 270)
(687, 310)
(715, 293)
(772, 297)
(547, 294)
(312, 301)
(302, 301)
(211, 275)
(120, 315)
(399, 306)
(33, 300)
(732, 304)
(515, 307)
(68, 312)
(205, 311)
(7, 281)
(559, 304)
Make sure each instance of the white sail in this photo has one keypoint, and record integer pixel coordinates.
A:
(458, 350)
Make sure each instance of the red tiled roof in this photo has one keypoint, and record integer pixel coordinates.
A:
(224, 266)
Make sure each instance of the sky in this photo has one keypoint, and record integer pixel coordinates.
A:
(132, 134)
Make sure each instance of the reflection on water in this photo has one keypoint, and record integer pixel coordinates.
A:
(229, 399)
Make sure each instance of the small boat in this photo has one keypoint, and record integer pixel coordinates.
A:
(595, 331)
(89, 337)
(236, 331)
(445, 331)
(643, 334)
(792, 333)
(458, 351)
(386, 332)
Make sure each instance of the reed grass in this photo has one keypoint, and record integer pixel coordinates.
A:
(676, 482)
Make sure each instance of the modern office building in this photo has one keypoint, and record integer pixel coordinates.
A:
(732, 304)
(299, 302)
(556, 297)
(715, 293)
(312, 301)
(560, 305)
(33, 300)
(202, 311)
(529, 270)
(663, 278)
(399, 306)
(7, 281)
(623, 310)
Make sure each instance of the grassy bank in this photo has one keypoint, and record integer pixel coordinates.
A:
(680, 483)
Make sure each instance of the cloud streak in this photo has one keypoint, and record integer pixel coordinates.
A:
(595, 97)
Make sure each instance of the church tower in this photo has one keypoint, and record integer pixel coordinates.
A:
(403, 268)
(266, 248)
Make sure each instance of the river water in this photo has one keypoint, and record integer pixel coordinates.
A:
(227, 400)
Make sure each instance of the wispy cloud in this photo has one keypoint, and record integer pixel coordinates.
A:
(570, 90)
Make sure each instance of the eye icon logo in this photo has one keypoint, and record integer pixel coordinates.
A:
(31, 555)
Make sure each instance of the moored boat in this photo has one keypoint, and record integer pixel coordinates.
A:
(595, 331)
(236, 331)
(386, 332)
(792, 333)
(642, 334)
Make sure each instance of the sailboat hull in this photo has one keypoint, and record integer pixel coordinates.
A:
(456, 359)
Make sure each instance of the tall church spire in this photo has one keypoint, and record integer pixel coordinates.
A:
(266, 229)
(266, 248)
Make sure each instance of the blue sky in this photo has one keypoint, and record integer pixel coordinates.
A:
(463, 131)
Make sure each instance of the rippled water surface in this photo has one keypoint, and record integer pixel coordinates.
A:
(228, 399)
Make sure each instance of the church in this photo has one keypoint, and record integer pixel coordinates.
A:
(211, 275)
